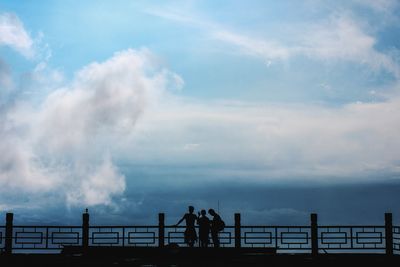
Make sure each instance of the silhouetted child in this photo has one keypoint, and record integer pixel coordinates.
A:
(204, 229)
(190, 232)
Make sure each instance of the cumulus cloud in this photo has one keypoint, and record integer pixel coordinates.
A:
(21, 169)
(102, 183)
(13, 34)
(62, 143)
(105, 97)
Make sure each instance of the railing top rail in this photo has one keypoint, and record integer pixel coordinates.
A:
(351, 226)
(47, 226)
(123, 226)
(182, 226)
(274, 226)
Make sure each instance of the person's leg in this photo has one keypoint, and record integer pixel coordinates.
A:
(214, 236)
(187, 237)
(191, 239)
(217, 240)
(206, 240)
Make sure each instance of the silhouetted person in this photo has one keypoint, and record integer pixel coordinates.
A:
(216, 225)
(190, 232)
(204, 229)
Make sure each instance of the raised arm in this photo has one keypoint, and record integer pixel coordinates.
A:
(181, 220)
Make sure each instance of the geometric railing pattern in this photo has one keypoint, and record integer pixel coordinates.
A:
(284, 238)
(330, 239)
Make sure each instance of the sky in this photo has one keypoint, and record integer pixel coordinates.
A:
(129, 108)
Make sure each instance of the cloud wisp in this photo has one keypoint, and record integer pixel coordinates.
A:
(14, 35)
(337, 38)
(385, 6)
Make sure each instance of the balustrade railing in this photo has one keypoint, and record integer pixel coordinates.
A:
(285, 239)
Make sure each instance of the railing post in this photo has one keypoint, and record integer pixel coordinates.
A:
(389, 233)
(9, 233)
(161, 226)
(314, 234)
(85, 230)
(237, 231)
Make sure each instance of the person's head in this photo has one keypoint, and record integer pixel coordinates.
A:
(203, 212)
(212, 212)
(191, 209)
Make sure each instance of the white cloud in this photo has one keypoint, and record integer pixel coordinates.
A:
(339, 38)
(62, 143)
(5, 77)
(13, 34)
(21, 169)
(105, 97)
(98, 188)
(275, 142)
(265, 49)
(378, 5)
(118, 111)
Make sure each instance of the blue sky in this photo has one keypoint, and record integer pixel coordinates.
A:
(215, 67)
(101, 98)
